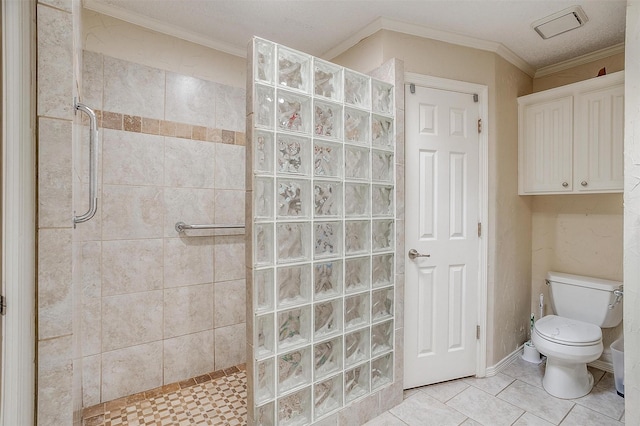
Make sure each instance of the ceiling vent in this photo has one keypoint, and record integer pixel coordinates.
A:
(560, 22)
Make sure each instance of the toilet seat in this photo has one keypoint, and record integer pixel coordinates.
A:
(567, 332)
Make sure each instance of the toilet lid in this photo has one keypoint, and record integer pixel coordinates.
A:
(568, 331)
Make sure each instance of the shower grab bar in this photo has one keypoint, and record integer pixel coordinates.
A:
(181, 226)
(93, 164)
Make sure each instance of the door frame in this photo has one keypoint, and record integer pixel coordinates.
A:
(483, 194)
(17, 376)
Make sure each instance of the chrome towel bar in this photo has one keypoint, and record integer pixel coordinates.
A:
(181, 226)
(93, 164)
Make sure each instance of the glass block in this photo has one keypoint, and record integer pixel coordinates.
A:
(382, 270)
(356, 162)
(356, 126)
(327, 159)
(381, 97)
(263, 152)
(292, 241)
(327, 279)
(295, 409)
(264, 336)
(263, 290)
(327, 120)
(264, 53)
(327, 318)
(356, 310)
(382, 203)
(381, 337)
(263, 244)
(382, 132)
(264, 107)
(382, 304)
(356, 382)
(293, 69)
(356, 89)
(294, 112)
(293, 198)
(383, 233)
(327, 396)
(263, 415)
(264, 387)
(327, 198)
(327, 357)
(293, 155)
(357, 274)
(356, 200)
(381, 371)
(382, 166)
(294, 369)
(356, 236)
(294, 285)
(356, 347)
(327, 239)
(327, 80)
(263, 198)
(294, 327)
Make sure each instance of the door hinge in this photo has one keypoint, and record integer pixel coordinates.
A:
(479, 125)
(479, 229)
(3, 306)
(412, 88)
(477, 332)
(475, 97)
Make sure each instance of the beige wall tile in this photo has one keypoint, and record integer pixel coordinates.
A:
(188, 205)
(190, 100)
(188, 310)
(188, 260)
(58, 4)
(54, 173)
(54, 283)
(229, 258)
(91, 377)
(131, 370)
(229, 167)
(188, 356)
(360, 412)
(131, 212)
(133, 89)
(132, 158)
(92, 229)
(230, 108)
(90, 264)
(131, 319)
(55, 63)
(189, 163)
(92, 80)
(55, 375)
(229, 206)
(230, 346)
(230, 303)
(131, 266)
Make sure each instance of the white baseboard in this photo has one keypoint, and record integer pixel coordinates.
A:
(503, 363)
(602, 365)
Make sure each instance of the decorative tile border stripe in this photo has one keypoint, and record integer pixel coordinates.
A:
(116, 404)
(153, 126)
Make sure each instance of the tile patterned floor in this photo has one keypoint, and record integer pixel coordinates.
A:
(513, 397)
(216, 399)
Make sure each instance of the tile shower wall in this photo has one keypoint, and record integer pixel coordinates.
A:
(322, 258)
(159, 307)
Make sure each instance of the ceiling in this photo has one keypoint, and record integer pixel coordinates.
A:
(325, 28)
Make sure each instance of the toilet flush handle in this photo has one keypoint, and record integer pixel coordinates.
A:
(618, 293)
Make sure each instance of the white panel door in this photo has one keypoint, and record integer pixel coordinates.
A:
(442, 211)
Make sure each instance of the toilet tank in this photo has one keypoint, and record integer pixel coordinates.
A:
(585, 299)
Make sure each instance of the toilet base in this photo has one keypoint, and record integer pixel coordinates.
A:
(567, 380)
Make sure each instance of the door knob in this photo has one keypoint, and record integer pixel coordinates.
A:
(413, 253)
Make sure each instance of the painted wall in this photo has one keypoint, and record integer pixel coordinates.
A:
(632, 214)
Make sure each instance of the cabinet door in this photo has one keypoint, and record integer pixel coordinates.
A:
(598, 145)
(546, 146)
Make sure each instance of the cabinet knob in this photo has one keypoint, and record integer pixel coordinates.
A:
(584, 183)
(565, 184)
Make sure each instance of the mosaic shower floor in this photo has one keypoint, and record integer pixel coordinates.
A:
(218, 398)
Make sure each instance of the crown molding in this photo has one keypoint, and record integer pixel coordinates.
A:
(580, 60)
(162, 27)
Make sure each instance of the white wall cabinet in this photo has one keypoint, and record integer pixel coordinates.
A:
(571, 138)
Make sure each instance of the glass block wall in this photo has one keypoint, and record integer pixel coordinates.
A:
(321, 249)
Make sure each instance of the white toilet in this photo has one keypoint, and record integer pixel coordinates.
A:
(573, 337)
